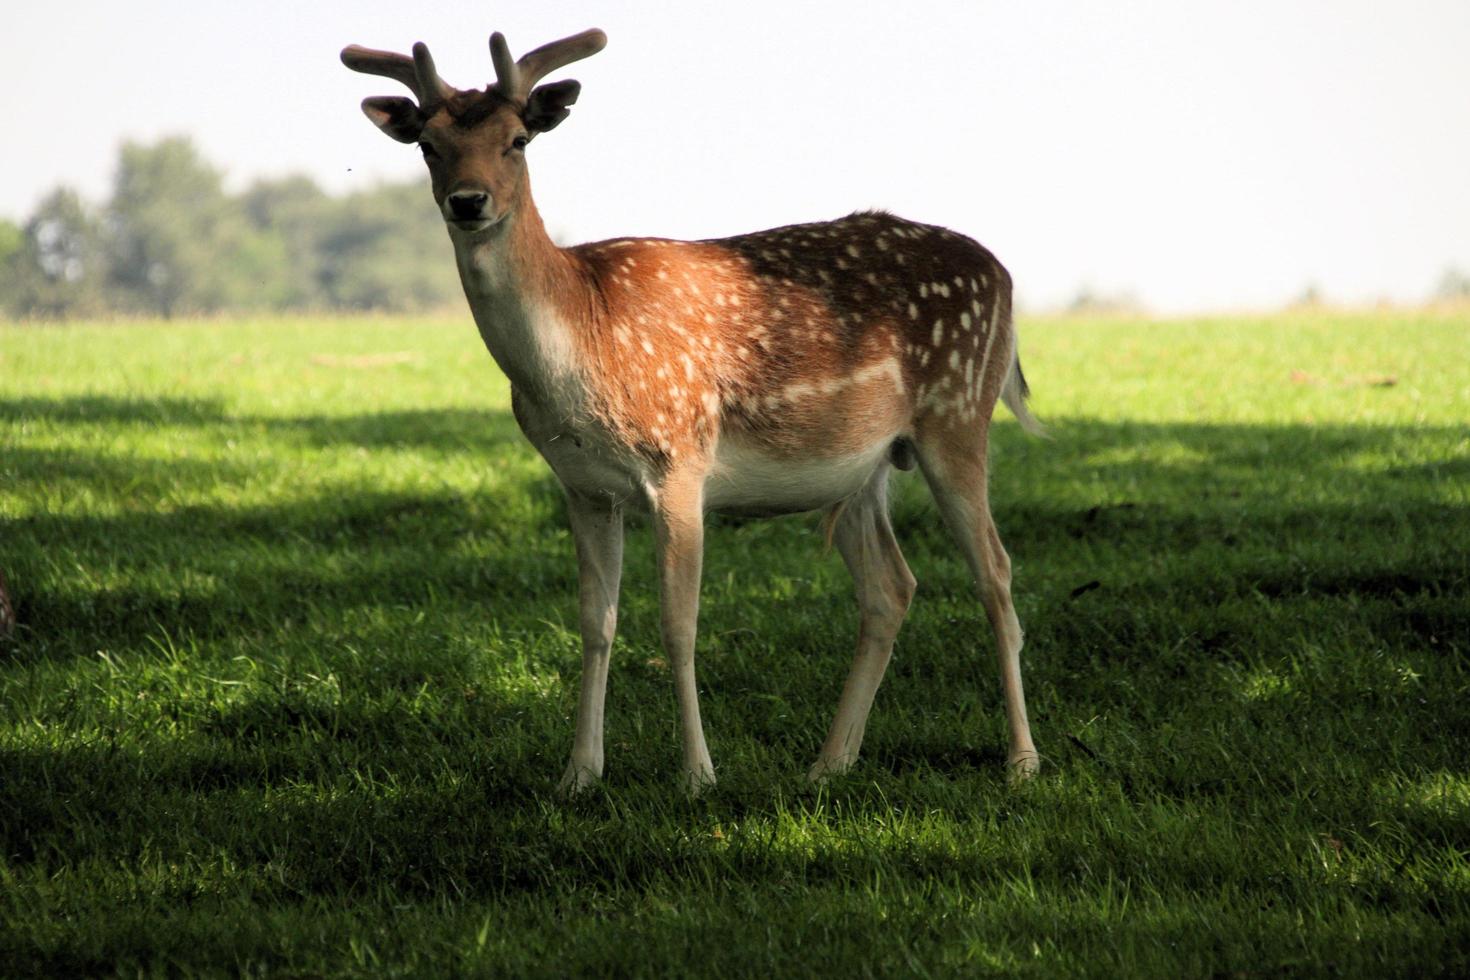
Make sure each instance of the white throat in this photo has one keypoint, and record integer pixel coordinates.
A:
(530, 341)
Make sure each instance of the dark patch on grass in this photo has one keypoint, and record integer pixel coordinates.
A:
(316, 729)
(113, 409)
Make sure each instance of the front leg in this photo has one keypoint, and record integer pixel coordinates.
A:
(678, 518)
(597, 530)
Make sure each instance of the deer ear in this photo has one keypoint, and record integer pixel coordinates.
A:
(398, 117)
(548, 105)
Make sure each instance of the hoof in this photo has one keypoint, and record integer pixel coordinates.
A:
(696, 781)
(577, 780)
(825, 767)
(1022, 766)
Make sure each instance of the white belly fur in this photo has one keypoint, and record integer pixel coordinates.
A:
(744, 480)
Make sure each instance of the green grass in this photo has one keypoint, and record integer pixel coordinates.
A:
(298, 665)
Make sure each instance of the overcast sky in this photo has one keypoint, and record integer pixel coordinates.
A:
(1198, 156)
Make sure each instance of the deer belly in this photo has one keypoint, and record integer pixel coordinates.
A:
(747, 479)
(587, 465)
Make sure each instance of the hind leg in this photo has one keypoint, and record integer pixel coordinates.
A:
(885, 587)
(953, 459)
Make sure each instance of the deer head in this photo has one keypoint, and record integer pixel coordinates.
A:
(474, 141)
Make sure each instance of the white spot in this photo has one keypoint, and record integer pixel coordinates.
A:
(853, 251)
(938, 332)
(965, 320)
(913, 312)
(923, 290)
(954, 359)
(989, 339)
(647, 347)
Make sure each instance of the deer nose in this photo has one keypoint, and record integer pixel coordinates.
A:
(468, 204)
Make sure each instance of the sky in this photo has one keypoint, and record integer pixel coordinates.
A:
(1193, 156)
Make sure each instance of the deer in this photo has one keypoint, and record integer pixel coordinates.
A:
(783, 371)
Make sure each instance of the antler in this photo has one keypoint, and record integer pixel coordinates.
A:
(515, 79)
(418, 72)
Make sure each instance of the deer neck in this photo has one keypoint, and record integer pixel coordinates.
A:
(528, 298)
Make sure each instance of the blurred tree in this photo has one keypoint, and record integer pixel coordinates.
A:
(1454, 286)
(173, 240)
(12, 238)
(387, 249)
(297, 214)
(1309, 298)
(1092, 302)
(59, 266)
(179, 243)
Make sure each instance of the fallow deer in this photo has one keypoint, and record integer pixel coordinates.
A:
(777, 372)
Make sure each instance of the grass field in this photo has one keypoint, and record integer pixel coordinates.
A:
(298, 664)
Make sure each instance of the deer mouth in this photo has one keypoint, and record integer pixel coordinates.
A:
(475, 224)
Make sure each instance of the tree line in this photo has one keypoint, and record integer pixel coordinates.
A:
(170, 241)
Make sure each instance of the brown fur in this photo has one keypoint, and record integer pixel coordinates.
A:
(754, 334)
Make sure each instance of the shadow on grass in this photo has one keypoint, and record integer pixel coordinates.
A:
(445, 429)
(114, 410)
(213, 571)
(1183, 527)
(1277, 511)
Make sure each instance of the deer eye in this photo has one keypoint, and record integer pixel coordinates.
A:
(428, 151)
(519, 143)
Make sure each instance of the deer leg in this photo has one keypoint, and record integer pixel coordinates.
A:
(679, 540)
(885, 587)
(597, 530)
(956, 473)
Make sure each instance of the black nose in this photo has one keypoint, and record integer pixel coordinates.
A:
(468, 204)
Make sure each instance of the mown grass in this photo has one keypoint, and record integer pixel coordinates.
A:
(298, 663)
